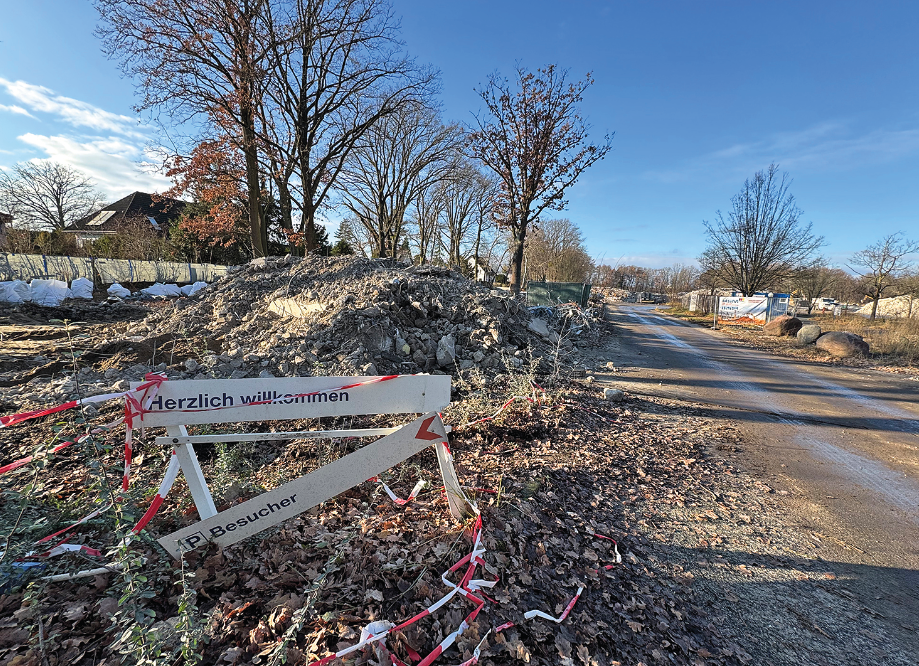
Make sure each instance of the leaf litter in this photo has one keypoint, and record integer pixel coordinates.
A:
(547, 478)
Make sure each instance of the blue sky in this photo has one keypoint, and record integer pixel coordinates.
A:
(700, 94)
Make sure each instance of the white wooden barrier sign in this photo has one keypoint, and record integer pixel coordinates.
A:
(236, 400)
(299, 495)
(181, 403)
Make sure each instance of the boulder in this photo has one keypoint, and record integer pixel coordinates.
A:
(842, 343)
(807, 335)
(783, 325)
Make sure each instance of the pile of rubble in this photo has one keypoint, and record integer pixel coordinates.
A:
(352, 315)
(291, 317)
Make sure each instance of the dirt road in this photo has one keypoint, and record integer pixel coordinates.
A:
(841, 447)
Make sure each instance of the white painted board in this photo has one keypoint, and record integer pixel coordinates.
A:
(299, 495)
(194, 402)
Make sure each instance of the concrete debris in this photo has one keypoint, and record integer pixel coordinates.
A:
(293, 317)
(351, 315)
(613, 395)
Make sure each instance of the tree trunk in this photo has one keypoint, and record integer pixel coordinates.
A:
(517, 264)
(874, 306)
(252, 182)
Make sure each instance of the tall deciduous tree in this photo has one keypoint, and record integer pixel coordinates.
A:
(337, 69)
(555, 251)
(536, 141)
(197, 58)
(47, 194)
(762, 241)
(404, 154)
(463, 189)
(880, 265)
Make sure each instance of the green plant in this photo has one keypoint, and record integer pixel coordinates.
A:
(190, 629)
(137, 640)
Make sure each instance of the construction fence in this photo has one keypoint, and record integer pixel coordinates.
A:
(104, 271)
(554, 293)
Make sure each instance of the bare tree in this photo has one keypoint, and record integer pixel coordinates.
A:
(426, 218)
(197, 58)
(679, 278)
(880, 266)
(404, 154)
(534, 138)
(814, 281)
(762, 241)
(47, 194)
(555, 251)
(462, 190)
(337, 69)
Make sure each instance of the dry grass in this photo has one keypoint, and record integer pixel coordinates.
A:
(894, 343)
(895, 338)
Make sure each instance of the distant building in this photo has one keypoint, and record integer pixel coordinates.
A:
(6, 221)
(484, 272)
(140, 207)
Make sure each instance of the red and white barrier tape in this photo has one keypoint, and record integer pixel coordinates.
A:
(395, 498)
(172, 471)
(464, 588)
(529, 615)
(615, 550)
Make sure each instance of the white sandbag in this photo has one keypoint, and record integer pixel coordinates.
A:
(16, 291)
(50, 293)
(81, 288)
(119, 291)
(162, 290)
(192, 289)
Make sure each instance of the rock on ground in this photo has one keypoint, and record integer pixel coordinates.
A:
(842, 343)
(808, 334)
(613, 395)
(783, 325)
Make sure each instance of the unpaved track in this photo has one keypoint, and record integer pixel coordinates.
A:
(842, 443)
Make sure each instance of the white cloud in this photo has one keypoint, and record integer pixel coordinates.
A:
(71, 111)
(15, 109)
(828, 146)
(117, 166)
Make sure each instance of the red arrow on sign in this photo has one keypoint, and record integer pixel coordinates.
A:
(425, 433)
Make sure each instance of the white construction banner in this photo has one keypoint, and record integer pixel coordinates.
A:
(743, 309)
(299, 495)
(195, 402)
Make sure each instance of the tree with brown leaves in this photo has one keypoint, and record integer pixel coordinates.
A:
(536, 141)
(197, 59)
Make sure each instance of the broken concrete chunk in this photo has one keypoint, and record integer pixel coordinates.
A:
(613, 395)
(291, 307)
(539, 327)
(446, 351)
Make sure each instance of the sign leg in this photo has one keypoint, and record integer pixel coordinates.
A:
(460, 506)
(188, 461)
